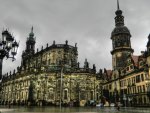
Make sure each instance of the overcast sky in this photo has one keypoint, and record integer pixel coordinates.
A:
(88, 23)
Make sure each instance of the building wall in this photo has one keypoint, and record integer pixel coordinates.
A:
(39, 79)
(46, 86)
(135, 88)
(132, 84)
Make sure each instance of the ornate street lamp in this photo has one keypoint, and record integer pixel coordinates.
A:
(62, 69)
(124, 99)
(115, 94)
(78, 91)
(7, 43)
(45, 90)
(61, 82)
(130, 98)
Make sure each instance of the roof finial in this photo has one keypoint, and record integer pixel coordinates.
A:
(31, 34)
(118, 4)
(118, 12)
(32, 29)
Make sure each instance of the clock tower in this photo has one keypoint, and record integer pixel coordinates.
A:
(120, 37)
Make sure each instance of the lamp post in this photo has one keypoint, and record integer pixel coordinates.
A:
(45, 87)
(31, 92)
(115, 92)
(130, 99)
(61, 76)
(8, 48)
(124, 98)
(115, 96)
(62, 66)
(78, 92)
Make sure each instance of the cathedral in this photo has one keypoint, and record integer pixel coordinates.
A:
(49, 77)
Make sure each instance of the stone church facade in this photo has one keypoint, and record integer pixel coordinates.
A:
(49, 76)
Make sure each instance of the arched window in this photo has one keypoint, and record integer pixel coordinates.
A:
(97, 96)
(91, 95)
(51, 94)
(65, 94)
(144, 100)
(82, 95)
(49, 61)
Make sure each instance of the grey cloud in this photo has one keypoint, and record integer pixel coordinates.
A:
(87, 22)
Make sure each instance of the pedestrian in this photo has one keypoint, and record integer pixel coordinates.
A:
(9, 105)
(118, 106)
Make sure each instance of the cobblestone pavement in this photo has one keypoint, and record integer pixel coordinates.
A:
(16, 109)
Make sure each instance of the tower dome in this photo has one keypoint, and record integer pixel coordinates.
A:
(119, 30)
(31, 34)
(119, 23)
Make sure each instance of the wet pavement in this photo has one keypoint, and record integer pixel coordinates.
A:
(19, 109)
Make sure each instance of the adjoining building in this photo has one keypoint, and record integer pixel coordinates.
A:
(129, 80)
(50, 76)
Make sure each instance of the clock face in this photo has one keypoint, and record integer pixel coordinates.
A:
(119, 54)
(121, 59)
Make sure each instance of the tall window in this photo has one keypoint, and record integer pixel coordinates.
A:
(143, 88)
(91, 95)
(142, 77)
(137, 78)
(97, 96)
(38, 92)
(109, 86)
(127, 68)
(129, 82)
(51, 94)
(49, 61)
(131, 67)
(82, 95)
(65, 94)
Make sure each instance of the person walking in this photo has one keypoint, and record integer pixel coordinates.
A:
(118, 106)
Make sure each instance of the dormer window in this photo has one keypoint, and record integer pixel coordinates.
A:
(131, 67)
(129, 60)
(114, 76)
(141, 63)
(127, 68)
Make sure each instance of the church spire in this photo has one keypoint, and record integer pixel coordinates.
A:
(119, 19)
(32, 29)
(31, 33)
(30, 43)
(118, 4)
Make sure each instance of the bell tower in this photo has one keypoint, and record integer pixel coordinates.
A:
(30, 48)
(30, 43)
(120, 37)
